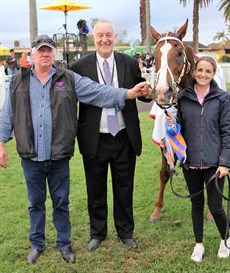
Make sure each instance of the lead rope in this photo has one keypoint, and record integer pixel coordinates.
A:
(214, 176)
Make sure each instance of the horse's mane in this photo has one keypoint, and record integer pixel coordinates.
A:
(191, 59)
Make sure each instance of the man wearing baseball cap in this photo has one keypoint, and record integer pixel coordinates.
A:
(41, 109)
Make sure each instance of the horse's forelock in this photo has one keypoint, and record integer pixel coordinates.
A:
(172, 34)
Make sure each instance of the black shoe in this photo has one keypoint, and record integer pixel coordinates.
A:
(130, 242)
(93, 244)
(68, 255)
(33, 255)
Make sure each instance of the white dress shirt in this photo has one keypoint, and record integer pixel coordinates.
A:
(111, 61)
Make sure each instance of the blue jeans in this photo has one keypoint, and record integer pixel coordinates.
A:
(56, 172)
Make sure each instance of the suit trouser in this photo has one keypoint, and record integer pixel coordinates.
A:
(56, 172)
(117, 153)
(195, 180)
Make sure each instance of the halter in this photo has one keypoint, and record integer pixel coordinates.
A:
(185, 69)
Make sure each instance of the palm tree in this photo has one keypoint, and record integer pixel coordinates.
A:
(228, 30)
(196, 5)
(225, 5)
(93, 22)
(221, 36)
(143, 21)
(33, 20)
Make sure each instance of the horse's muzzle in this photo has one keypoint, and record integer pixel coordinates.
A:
(165, 97)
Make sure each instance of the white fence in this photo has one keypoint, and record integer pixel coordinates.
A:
(4, 86)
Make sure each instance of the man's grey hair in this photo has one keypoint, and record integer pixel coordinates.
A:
(35, 49)
(103, 21)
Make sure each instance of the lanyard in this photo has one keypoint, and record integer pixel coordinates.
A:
(111, 83)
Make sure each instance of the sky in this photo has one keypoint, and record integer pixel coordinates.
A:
(166, 15)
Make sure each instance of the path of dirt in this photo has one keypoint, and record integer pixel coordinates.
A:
(144, 106)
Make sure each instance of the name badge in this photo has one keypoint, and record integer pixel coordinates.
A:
(111, 111)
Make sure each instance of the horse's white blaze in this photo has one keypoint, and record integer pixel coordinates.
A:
(162, 84)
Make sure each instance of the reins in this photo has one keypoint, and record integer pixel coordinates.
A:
(213, 177)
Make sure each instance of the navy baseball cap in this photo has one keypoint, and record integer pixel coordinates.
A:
(43, 40)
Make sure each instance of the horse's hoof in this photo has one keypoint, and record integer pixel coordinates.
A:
(154, 219)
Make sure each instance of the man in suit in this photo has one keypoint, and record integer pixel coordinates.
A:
(100, 148)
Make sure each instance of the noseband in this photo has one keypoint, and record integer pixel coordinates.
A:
(186, 68)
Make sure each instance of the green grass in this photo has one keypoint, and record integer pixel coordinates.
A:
(228, 87)
(164, 246)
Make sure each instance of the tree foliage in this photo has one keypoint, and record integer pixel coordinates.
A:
(198, 4)
(225, 6)
(221, 36)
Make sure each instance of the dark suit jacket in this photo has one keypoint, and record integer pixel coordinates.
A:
(129, 75)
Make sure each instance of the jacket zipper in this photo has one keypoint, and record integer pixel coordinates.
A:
(201, 136)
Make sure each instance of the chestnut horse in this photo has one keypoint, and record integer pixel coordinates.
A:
(173, 63)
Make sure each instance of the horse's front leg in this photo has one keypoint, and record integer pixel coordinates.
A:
(164, 177)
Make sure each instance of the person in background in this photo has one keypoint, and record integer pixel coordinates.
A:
(207, 107)
(142, 65)
(149, 61)
(83, 31)
(142, 56)
(23, 62)
(11, 63)
(29, 59)
(102, 147)
(135, 55)
(2, 67)
(41, 109)
(2, 84)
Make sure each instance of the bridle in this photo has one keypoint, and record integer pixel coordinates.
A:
(175, 84)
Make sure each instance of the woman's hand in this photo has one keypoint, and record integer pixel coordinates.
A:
(223, 171)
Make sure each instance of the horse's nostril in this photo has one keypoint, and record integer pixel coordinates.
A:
(161, 96)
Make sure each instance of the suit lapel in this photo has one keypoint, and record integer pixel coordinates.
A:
(120, 69)
(92, 67)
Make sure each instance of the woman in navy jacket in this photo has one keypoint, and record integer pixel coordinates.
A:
(204, 114)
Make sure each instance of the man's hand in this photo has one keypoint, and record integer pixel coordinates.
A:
(147, 92)
(3, 156)
(139, 90)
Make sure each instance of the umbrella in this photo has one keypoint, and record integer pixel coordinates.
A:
(4, 50)
(65, 6)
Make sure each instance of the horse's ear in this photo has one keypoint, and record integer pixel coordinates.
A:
(155, 34)
(182, 30)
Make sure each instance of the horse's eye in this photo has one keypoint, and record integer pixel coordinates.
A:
(180, 52)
